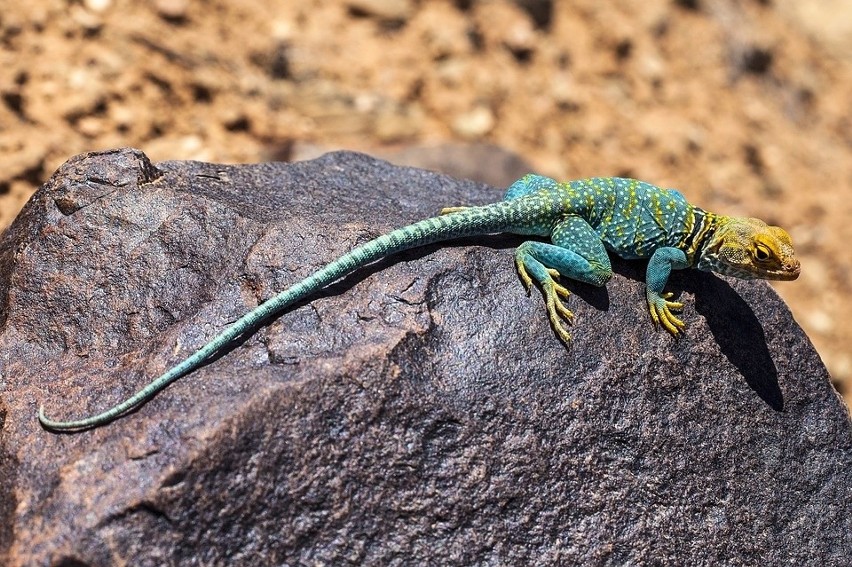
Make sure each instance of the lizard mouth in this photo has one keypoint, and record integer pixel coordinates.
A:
(785, 273)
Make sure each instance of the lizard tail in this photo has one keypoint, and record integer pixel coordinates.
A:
(472, 221)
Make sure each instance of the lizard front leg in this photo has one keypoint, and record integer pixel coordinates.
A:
(660, 266)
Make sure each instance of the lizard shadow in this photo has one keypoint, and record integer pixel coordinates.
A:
(739, 334)
(732, 322)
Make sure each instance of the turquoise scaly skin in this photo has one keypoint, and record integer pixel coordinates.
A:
(583, 220)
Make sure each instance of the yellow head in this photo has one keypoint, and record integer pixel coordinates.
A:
(749, 249)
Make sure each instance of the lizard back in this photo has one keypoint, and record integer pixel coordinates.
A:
(632, 218)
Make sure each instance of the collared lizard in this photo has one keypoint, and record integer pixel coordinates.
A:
(583, 220)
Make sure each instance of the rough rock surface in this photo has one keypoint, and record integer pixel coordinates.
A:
(418, 412)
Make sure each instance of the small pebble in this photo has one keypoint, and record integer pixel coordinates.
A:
(383, 9)
(172, 9)
(97, 5)
(474, 124)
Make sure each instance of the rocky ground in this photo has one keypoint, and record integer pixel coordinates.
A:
(745, 106)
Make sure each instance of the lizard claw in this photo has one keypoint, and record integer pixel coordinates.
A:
(556, 310)
(561, 290)
(522, 272)
(661, 312)
(553, 291)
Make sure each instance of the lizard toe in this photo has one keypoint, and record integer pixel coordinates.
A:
(661, 313)
(557, 312)
(526, 280)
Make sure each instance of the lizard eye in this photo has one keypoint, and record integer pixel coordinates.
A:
(761, 252)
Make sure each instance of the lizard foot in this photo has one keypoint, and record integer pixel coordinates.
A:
(554, 292)
(660, 308)
(556, 310)
(527, 280)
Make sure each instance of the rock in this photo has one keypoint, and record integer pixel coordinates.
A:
(486, 163)
(419, 411)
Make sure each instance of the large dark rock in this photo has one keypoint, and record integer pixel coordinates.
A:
(420, 411)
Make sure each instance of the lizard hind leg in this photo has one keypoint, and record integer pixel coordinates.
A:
(577, 253)
(529, 269)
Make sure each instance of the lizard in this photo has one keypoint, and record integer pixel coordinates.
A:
(584, 220)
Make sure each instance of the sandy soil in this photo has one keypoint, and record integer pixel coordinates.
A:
(743, 105)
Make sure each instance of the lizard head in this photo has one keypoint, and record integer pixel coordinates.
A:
(749, 249)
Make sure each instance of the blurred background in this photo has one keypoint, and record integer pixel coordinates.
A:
(744, 105)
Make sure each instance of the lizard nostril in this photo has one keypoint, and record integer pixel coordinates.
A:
(793, 268)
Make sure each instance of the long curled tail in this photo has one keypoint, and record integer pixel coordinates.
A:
(499, 217)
